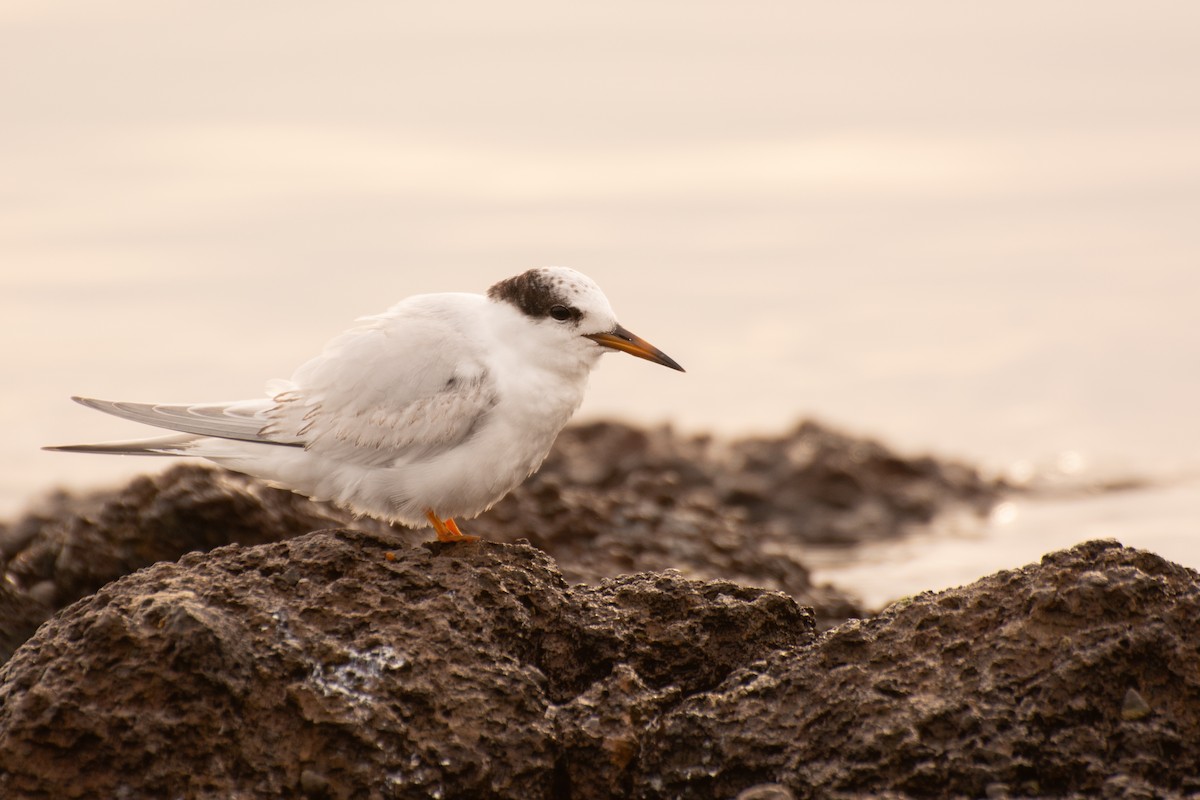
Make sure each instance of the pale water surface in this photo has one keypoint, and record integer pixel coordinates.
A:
(965, 229)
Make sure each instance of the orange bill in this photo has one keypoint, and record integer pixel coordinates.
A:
(620, 339)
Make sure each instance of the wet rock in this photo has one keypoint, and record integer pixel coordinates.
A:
(320, 667)
(1019, 680)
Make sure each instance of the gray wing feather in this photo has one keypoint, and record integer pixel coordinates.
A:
(221, 420)
(176, 445)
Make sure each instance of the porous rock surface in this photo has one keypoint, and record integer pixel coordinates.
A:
(1075, 677)
(346, 664)
(68, 547)
(323, 667)
(611, 499)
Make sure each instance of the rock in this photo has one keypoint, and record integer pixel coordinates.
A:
(610, 500)
(20, 615)
(71, 546)
(647, 521)
(80, 544)
(319, 667)
(810, 485)
(1018, 680)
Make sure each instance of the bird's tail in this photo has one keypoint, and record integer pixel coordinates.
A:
(177, 445)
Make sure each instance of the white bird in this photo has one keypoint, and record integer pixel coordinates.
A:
(435, 409)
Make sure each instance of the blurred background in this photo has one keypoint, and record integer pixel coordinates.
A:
(972, 230)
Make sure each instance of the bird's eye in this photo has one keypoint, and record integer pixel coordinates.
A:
(560, 313)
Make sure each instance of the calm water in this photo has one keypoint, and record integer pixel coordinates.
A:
(961, 230)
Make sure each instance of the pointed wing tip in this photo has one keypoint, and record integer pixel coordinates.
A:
(164, 446)
(90, 402)
(72, 448)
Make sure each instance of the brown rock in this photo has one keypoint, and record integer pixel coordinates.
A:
(613, 499)
(20, 615)
(71, 546)
(1019, 680)
(610, 500)
(319, 667)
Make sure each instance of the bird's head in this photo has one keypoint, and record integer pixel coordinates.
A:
(568, 307)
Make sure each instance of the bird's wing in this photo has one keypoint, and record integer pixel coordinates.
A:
(402, 387)
(240, 420)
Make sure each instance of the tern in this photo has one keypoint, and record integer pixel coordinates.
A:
(432, 410)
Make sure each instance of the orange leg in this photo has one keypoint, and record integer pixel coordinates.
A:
(448, 531)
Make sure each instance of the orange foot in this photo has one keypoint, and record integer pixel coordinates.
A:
(448, 531)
